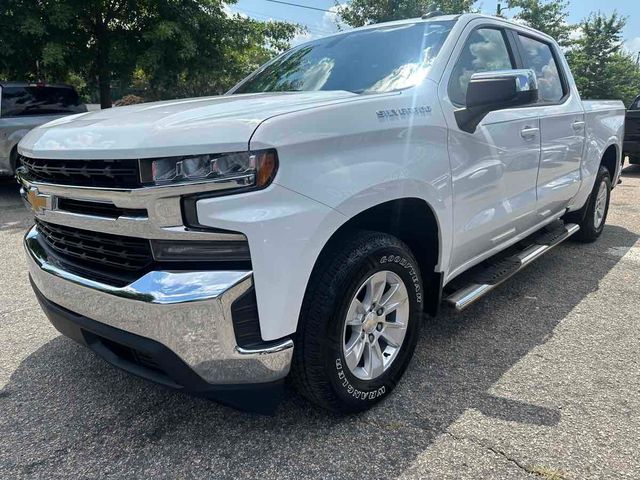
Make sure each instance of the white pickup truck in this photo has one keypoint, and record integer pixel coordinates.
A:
(299, 226)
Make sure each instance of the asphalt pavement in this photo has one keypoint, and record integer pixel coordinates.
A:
(540, 379)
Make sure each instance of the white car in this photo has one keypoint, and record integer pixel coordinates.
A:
(300, 225)
(24, 106)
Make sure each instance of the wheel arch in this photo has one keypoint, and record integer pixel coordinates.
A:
(611, 161)
(413, 221)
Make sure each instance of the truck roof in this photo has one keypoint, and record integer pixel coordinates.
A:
(439, 18)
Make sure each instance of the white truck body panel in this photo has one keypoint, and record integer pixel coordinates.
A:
(604, 128)
(341, 154)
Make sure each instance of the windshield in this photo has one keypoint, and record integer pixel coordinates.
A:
(364, 61)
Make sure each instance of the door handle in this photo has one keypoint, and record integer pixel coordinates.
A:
(579, 125)
(529, 132)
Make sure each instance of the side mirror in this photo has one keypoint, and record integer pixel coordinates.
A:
(491, 91)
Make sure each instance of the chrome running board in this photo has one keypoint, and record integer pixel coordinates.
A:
(509, 266)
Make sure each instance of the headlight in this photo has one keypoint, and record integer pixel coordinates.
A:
(245, 169)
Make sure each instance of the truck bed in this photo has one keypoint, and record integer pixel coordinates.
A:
(603, 105)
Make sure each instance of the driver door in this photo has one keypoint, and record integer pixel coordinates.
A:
(494, 169)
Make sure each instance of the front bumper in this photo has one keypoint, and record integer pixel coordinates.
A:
(188, 313)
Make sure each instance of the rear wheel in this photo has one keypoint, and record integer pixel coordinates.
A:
(593, 216)
(359, 323)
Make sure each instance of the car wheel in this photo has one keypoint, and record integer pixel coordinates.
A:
(359, 323)
(594, 214)
(14, 160)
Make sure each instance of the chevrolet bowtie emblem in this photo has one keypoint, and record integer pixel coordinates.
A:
(37, 201)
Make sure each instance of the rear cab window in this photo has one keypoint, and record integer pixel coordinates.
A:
(538, 56)
(18, 101)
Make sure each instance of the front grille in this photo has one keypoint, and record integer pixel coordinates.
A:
(100, 209)
(90, 173)
(97, 250)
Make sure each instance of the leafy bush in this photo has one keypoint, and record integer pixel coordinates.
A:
(128, 100)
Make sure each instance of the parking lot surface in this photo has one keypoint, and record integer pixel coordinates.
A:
(541, 379)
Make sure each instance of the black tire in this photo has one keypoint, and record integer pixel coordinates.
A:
(319, 370)
(633, 160)
(585, 217)
(14, 161)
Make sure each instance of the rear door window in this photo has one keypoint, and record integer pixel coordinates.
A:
(539, 57)
(35, 100)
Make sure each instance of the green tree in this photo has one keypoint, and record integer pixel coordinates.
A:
(363, 12)
(548, 16)
(96, 39)
(625, 78)
(203, 52)
(600, 66)
(176, 43)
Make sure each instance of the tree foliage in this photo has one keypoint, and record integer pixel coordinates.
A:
(600, 66)
(170, 47)
(363, 12)
(548, 16)
(176, 48)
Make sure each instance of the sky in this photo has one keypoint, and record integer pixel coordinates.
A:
(321, 23)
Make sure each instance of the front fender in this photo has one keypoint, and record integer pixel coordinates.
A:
(351, 157)
(286, 233)
(7, 145)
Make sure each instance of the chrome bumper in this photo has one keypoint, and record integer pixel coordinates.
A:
(188, 312)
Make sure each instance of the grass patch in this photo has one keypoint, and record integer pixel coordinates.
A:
(549, 473)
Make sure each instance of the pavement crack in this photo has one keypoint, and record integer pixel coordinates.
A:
(497, 451)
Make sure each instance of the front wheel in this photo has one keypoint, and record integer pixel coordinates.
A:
(594, 213)
(359, 323)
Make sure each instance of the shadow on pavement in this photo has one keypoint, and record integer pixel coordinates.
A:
(9, 187)
(66, 411)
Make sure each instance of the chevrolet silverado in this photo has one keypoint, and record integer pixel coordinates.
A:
(299, 226)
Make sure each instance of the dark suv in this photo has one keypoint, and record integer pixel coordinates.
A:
(24, 106)
(632, 132)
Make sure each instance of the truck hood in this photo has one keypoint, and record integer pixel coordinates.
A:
(177, 127)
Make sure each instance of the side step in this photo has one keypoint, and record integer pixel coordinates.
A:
(495, 274)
